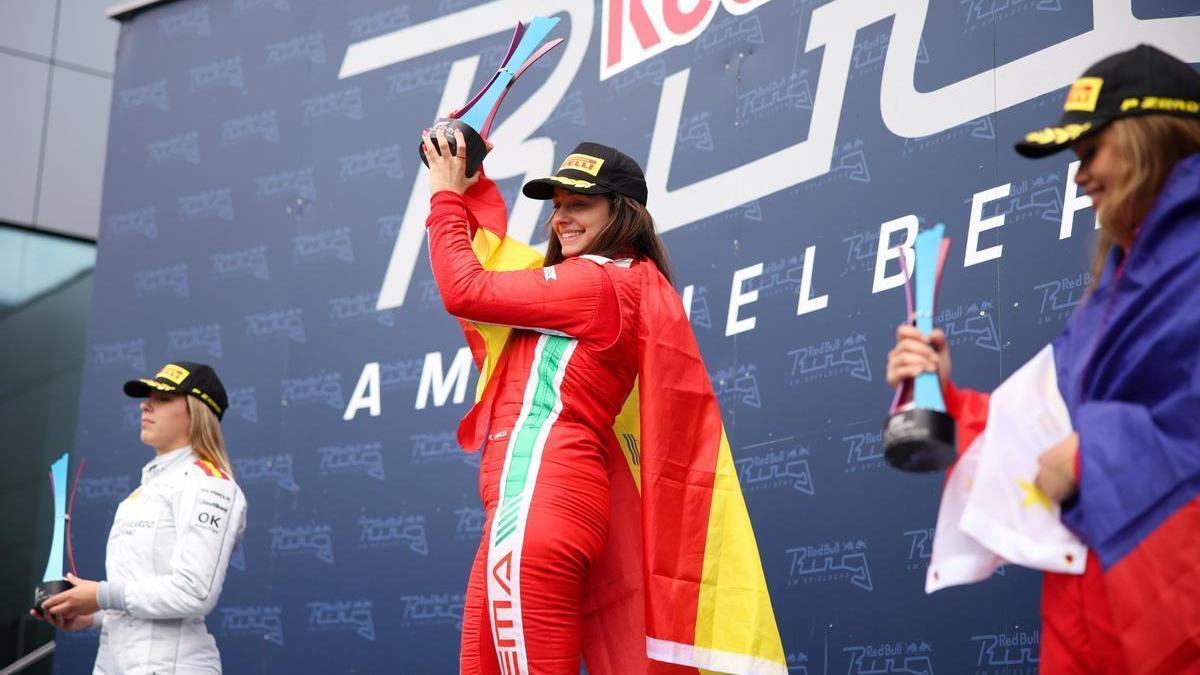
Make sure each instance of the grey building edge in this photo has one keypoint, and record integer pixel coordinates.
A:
(126, 10)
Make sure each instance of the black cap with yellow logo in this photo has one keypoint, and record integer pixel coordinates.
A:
(1141, 81)
(593, 169)
(184, 377)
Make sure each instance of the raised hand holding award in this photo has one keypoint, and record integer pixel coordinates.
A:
(53, 581)
(475, 118)
(918, 434)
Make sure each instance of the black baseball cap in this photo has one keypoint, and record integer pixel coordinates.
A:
(184, 377)
(593, 169)
(1141, 81)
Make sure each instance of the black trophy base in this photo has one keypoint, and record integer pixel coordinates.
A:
(43, 591)
(919, 440)
(476, 148)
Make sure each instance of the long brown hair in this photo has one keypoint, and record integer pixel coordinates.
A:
(629, 232)
(204, 431)
(1150, 145)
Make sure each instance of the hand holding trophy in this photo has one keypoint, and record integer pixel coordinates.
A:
(918, 435)
(53, 581)
(474, 120)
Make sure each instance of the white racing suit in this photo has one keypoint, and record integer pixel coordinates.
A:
(167, 554)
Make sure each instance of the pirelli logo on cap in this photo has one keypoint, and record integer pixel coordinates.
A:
(1161, 103)
(585, 163)
(173, 373)
(1084, 94)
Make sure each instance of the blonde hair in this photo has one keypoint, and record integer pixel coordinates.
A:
(1150, 145)
(204, 431)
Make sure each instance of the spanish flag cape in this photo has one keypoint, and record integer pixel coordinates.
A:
(683, 585)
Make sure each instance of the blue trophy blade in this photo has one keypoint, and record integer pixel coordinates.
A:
(927, 391)
(58, 479)
(535, 33)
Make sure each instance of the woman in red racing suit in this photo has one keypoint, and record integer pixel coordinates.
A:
(565, 374)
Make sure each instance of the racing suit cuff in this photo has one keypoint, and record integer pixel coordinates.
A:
(111, 595)
(98, 620)
(448, 198)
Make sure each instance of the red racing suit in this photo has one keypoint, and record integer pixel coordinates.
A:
(1079, 635)
(544, 476)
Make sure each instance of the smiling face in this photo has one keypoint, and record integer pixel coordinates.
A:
(577, 220)
(165, 421)
(1101, 167)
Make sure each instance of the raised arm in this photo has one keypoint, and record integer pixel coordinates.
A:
(562, 299)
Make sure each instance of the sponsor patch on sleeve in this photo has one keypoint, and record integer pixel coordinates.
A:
(210, 519)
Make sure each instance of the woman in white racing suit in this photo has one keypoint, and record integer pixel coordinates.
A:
(171, 539)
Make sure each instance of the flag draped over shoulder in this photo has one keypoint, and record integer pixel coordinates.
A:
(487, 215)
(1127, 367)
(687, 586)
(1129, 371)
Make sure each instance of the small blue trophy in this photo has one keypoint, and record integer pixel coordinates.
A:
(53, 581)
(474, 119)
(918, 435)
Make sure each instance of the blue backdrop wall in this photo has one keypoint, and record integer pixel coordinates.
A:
(263, 212)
